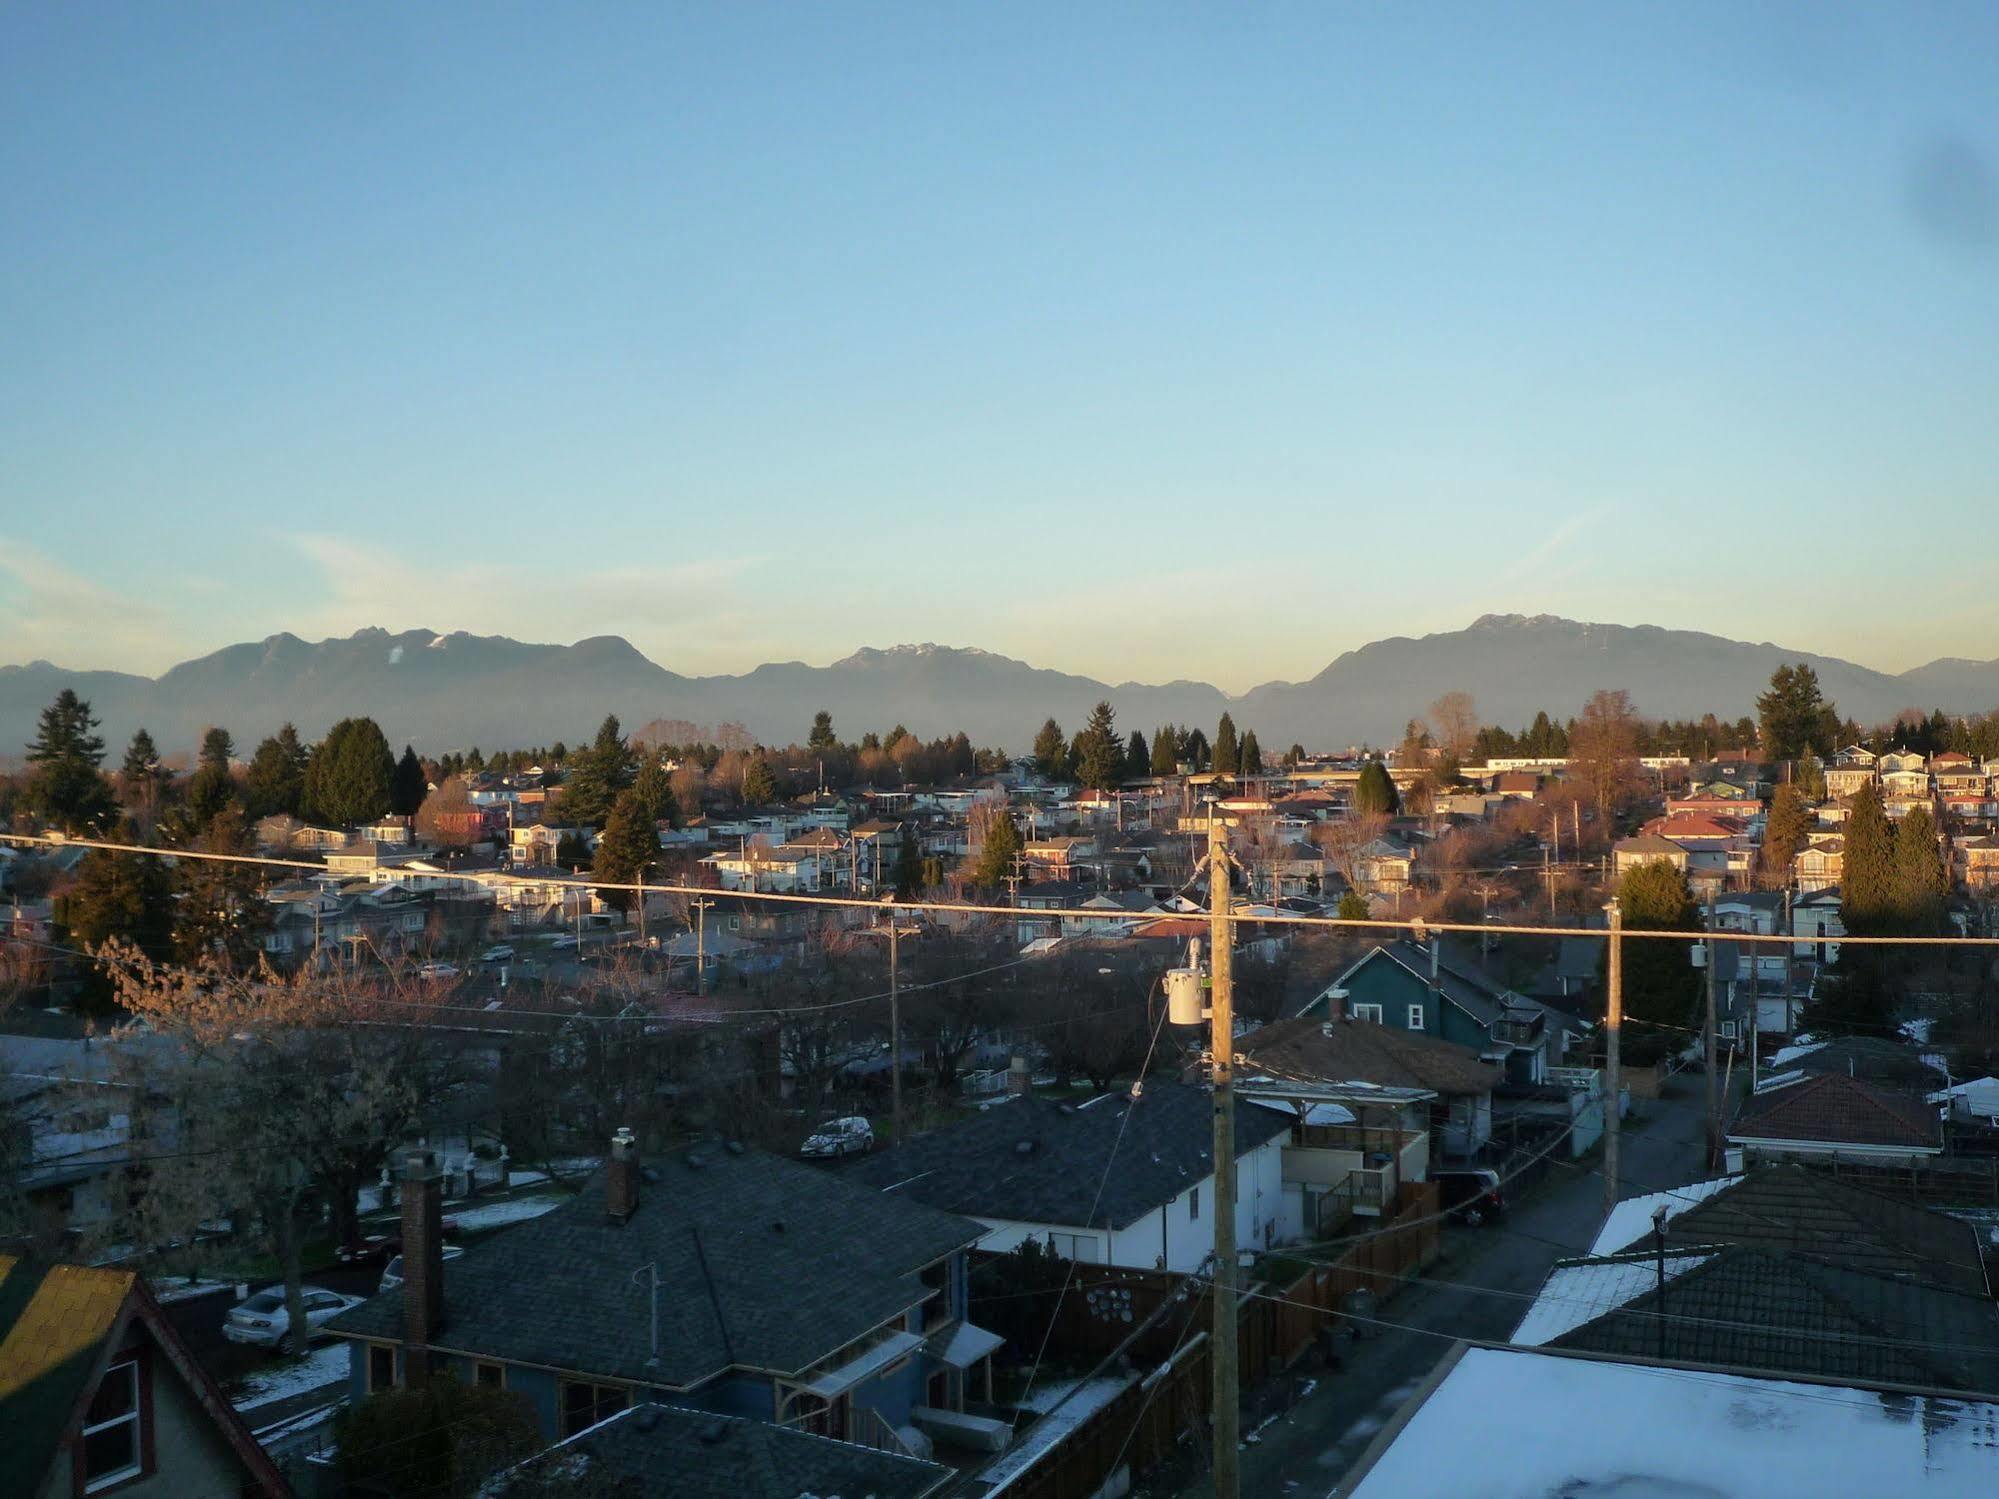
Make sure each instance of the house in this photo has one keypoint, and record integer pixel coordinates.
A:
(1820, 863)
(1795, 1117)
(1384, 866)
(1872, 1059)
(98, 1393)
(659, 1450)
(1814, 917)
(1647, 848)
(1975, 861)
(1411, 987)
(781, 870)
(1669, 1430)
(1057, 858)
(719, 1279)
(1124, 1179)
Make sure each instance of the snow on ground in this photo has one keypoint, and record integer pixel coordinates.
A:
(1049, 1425)
(500, 1214)
(323, 1366)
(172, 1289)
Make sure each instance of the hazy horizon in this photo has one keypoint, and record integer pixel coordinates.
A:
(1145, 343)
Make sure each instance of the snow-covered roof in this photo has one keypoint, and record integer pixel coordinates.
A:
(1631, 1220)
(1677, 1433)
(1575, 1294)
(1979, 1096)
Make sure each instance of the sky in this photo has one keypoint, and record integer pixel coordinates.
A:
(1145, 341)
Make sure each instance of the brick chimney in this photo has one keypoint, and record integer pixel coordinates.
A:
(621, 1198)
(1019, 1081)
(423, 1260)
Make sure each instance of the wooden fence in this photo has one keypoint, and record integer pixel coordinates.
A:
(1276, 1324)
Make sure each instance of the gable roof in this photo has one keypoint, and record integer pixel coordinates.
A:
(1476, 995)
(652, 1449)
(1346, 1051)
(59, 1325)
(1835, 1109)
(1795, 1208)
(1032, 1160)
(771, 1265)
(1755, 1308)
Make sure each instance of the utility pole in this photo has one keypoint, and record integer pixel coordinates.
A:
(701, 903)
(1707, 1047)
(894, 1023)
(1613, 1080)
(1221, 941)
(1790, 962)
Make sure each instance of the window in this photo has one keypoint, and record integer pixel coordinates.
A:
(381, 1367)
(1728, 1030)
(1367, 1012)
(1082, 1248)
(114, 1446)
(1415, 1017)
(584, 1405)
(1193, 1203)
(489, 1376)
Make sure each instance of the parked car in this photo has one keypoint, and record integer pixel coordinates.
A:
(437, 970)
(368, 1249)
(837, 1137)
(496, 954)
(564, 943)
(392, 1273)
(264, 1321)
(1471, 1194)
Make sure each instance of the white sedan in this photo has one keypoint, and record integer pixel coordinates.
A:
(838, 1137)
(264, 1321)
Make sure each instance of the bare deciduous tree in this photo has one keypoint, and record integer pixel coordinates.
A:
(1454, 717)
(1603, 750)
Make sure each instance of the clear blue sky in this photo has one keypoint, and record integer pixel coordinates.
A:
(1143, 341)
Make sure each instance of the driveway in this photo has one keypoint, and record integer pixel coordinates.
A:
(1308, 1449)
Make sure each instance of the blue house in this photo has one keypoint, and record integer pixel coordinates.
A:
(1415, 987)
(717, 1278)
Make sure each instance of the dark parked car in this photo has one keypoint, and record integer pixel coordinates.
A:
(1471, 1194)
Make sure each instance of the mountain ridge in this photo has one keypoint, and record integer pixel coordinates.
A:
(453, 690)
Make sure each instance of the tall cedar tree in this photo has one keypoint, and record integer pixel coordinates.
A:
(1165, 759)
(759, 784)
(1793, 717)
(1100, 753)
(596, 775)
(822, 740)
(1294, 755)
(64, 787)
(1868, 871)
(1051, 751)
(142, 780)
(348, 778)
(629, 842)
(1137, 758)
(1374, 794)
(1252, 755)
(1784, 835)
(126, 896)
(1196, 752)
(908, 867)
(221, 912)
(997, 853)
(1228, 752)
(212, 789)
(275, 782)
(653, 789)
(409, 786)
(1922, 885)
(1661, 985)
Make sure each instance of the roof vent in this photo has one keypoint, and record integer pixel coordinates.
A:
(1023, 1147)
(712, 1433)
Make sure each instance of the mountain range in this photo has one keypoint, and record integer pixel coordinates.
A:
(443, 692)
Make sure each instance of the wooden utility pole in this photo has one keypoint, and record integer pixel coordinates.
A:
(701, 904)
(1707, 1046)
(1221, 941)
(1613, 1079)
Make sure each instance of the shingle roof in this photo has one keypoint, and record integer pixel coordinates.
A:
(660, 1450)
(1836, 1109)
(1359, 1051)
(1755, 1308)
(53, 1323)
(1793, 1207)
(1036, 1161)
(765, 1264)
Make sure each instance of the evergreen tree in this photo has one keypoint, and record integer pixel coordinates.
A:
(1164, 759)
(1228, 753)
(908, 866)
(1137, 758)
(124, 896)
(1810, 779)
(596, 775)
(1252, 755)
(759, 785)
(1352, 907)
(1051, 752)
(1793, 717)
(997, 853)
(1867, 906)
(410, 785)
(1196, 752)
(275, 782)
(142, 779)
(1784, 835)
(1374, 793)
(653, 789)
(220, 908)
(822, 740)
(211, 790)
(1099, 751)
(64, 787)
(349, 774)
(629, 842)
(1922, 884)
(1661, 985)
(1294, 756)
